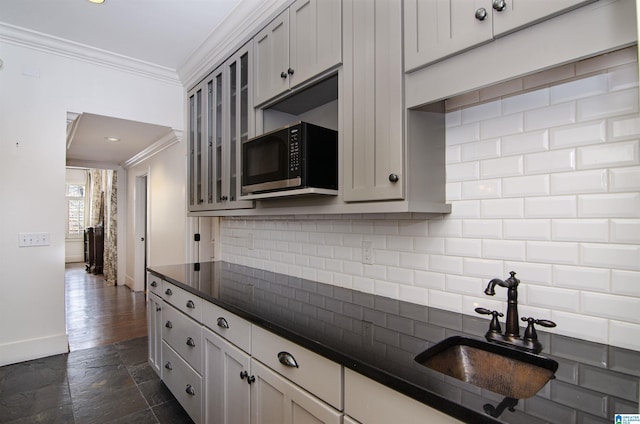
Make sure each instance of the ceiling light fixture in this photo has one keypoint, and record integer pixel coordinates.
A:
(97, 1)
(112, 138)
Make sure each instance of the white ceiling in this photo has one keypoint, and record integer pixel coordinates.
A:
(160, 32)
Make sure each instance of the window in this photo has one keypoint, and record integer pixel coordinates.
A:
(75, 210)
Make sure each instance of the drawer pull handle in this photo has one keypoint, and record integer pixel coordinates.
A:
(190, 390)
(169, 324)
(154, 284)
(222, 323)
(168, 292)
(243, 375)
(168, 366)
(158, 309)
(287, 360)
(191, 305)
(190, 342)
(251, 379)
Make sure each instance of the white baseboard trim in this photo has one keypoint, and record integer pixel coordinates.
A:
(74, 259)
(26, 350)
(129, 281)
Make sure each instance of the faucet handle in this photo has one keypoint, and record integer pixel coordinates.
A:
(530, 332)
(494, 327)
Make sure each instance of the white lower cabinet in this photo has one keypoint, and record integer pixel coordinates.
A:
(183, 381)
(274, 399)
(154, 331)
(362, 402)
(226, 377)
(348, 420)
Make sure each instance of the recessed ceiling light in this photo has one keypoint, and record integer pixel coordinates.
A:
(97, 1)
(112, 138)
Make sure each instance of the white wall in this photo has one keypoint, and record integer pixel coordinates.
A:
(543, 180)
(38, 89)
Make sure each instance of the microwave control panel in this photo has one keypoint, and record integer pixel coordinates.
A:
(294, 152)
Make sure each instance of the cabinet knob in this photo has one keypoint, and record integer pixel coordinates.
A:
(191, 305)
(190, 390)
(191, 342)
(154, 284)
(481, 14)
(223, 198)
(168, 366)
(287, 359)
(251, 379)
(169, 324)
(290, 71)
(243, 375)
(168, 292)
(499, 5)
(283, 75)
(158, 309)
(393, 178)
(222, 323)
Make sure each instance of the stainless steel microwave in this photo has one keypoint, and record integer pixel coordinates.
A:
(300, 155)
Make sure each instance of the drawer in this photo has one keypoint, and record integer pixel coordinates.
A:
(230, 326)
(183, 300)
(183, 381)
(154, 284)
(313, 372)
(183, 334)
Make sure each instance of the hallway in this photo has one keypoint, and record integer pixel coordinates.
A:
(105, 378)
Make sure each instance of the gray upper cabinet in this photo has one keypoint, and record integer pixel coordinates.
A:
(436, 29)
(372, 132)
(220, 118)
(302, 42)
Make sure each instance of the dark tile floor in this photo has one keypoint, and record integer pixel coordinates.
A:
(105, 384)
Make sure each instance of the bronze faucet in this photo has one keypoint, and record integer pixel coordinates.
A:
(511, 334)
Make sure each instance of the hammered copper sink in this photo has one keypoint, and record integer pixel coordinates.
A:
(503, 370)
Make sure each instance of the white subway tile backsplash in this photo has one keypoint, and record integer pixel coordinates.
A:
(612, 104)
(463, 134)
(529, 142)
(464, 285)
(609, 155)
(384, 288)
(481, 112)
(550, 76)
(527, 229)
(625, 282)
(401, 243)
(446, 264)
(433, 245)
(553, 252)
(502, 208)
(502, 167)
(617, 256)
(453, 118)
(400, 275)
(484, 268)
(504, 250)
(595, 181)
(581, 278)
(482, 228)
(480, 150)
(429, 280)
(532, 185)
(621, 308)
(386, 257)
(444, 300)
(445, 228)
(608, 60)
(465, 209)
(414, 295)
(453, 154)
(580, 88)
(582, 326)
(501, 89)
(623, 77)
(530, 272)
(463, 247)
(553, 298)
(551, 116)
(578, 135)
(548, 162)
(414, 260)
(551, 207)
(624, 128)
(504, 125)
(591, 230)
(453, 191)
(526, 101)
(624, 179)
(624, 334)
(463, 171)
(625, 231)
(617, 205)
(484, 189)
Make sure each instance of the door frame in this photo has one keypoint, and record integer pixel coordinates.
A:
(140, 231)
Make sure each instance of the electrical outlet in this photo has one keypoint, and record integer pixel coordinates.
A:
(367, 252)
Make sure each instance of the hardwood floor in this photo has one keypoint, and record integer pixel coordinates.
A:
(98, 314)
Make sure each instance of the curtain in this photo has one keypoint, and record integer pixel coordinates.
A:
(110, 230)
(96, 197)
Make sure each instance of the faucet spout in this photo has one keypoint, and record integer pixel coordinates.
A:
(511, 284)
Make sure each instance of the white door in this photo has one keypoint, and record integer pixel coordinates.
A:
(140, 231)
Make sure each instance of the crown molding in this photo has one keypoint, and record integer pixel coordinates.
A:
(168, 140)
(242, 23)
(49, 44)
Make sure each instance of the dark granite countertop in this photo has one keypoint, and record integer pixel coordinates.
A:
(379, 338)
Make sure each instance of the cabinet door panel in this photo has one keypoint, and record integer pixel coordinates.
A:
(315, 38)
(271, 47)
(154, 328)
(435, 29)
(519, 13)
(373, 113)
(226, 392)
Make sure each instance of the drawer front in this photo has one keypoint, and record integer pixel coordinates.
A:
(183, 381)
(183, 334)
(154, 284)
(227, 325)
(188, 303)
(313, 372)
